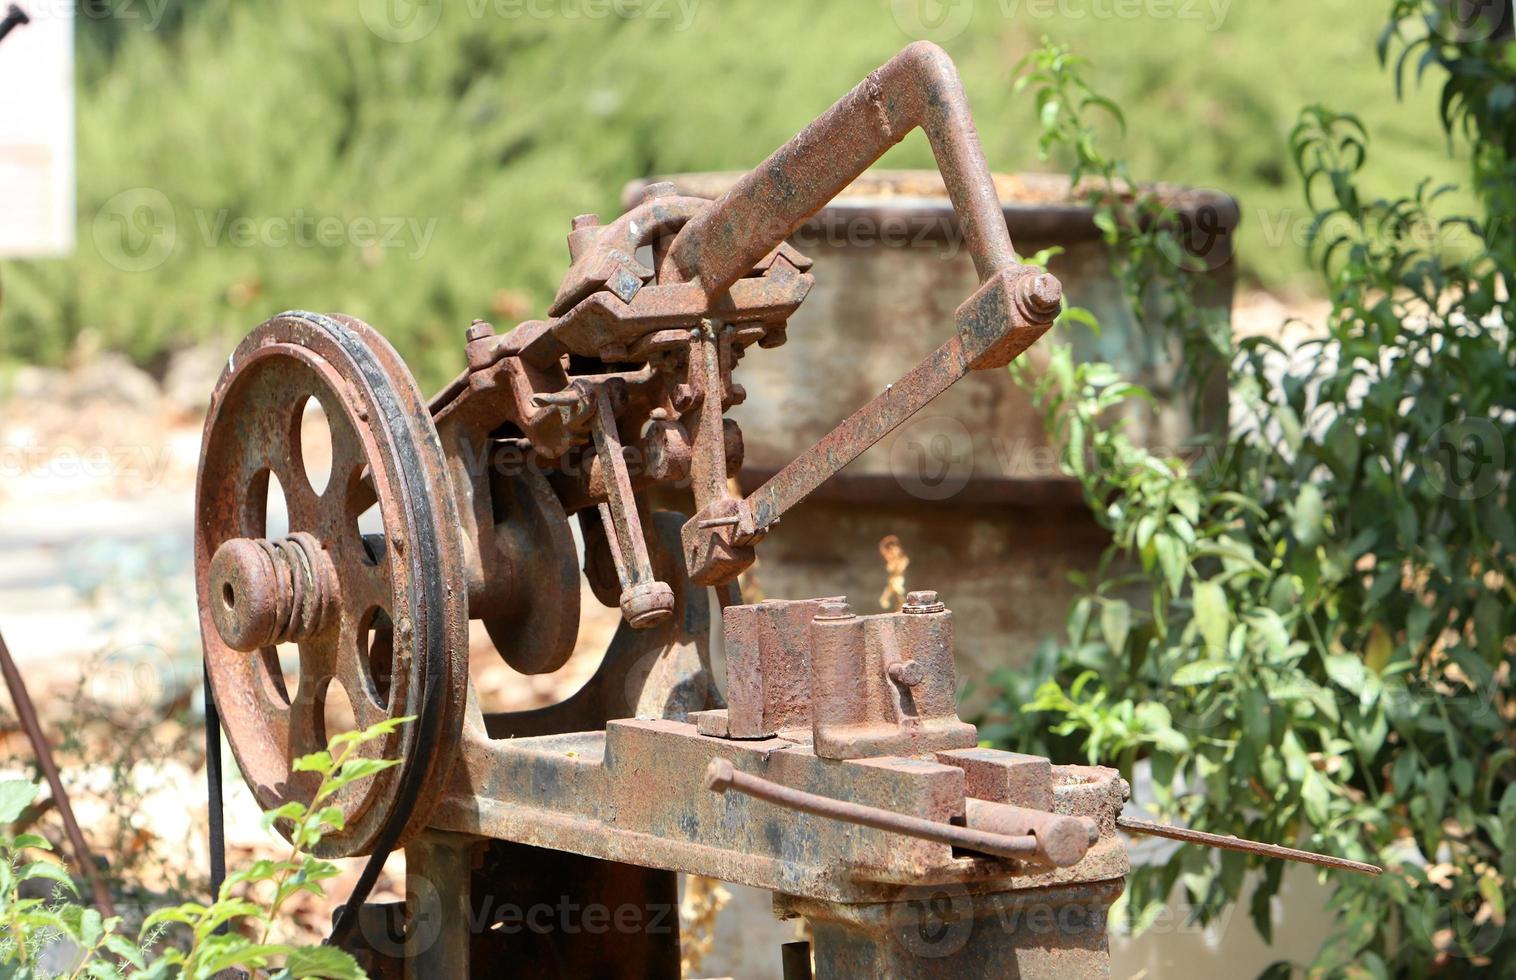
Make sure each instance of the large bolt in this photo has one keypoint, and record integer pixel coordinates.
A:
(266, 592)
(835, 609)
(1039, 297)
(922, 603)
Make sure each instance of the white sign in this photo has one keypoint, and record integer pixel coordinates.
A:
(37, 133)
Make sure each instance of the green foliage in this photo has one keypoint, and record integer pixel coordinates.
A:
(190, 941)
(1307, 631)
(214, 138)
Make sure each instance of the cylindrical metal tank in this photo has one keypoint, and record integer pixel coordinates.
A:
(970, 486)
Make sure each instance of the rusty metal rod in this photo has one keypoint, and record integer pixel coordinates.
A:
(26, 711)
(721, 776)
(1227, 843)
(918, 87)
(881, 416)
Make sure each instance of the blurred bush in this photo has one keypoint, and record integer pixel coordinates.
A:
(416, 163)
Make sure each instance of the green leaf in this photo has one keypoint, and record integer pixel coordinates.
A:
(1115, 623)
(15, 796)
(323, 961)
(1211, 616)
(123, 948)
(1487, 616)
(1199, 673)
(1376, 652)
(1307, 515)
(48, 870)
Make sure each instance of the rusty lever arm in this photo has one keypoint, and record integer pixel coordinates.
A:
(721, 776)
(919, 87)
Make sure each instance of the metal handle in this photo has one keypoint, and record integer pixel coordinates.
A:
(721, 776)
(919, 87)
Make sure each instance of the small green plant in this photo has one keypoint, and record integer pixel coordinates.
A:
(189, 941)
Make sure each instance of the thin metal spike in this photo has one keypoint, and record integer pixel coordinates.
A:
(1227, 843)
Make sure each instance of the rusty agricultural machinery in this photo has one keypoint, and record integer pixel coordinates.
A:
(836, 772)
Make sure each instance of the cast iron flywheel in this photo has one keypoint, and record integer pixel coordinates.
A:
(379, 615)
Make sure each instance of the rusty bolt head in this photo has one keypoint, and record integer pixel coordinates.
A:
(835, 609)
(1040, 296)
(479, 331)
(907, 673)
(586, 221)
(647, 605)
(657, 189)
(921, 603)
(245, 594)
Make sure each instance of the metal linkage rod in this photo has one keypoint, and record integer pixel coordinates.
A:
(26, 712)
(721, 776)
(1225, 843)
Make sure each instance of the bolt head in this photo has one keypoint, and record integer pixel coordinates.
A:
(1042, 293)
(835, 609)
(479, 331)
(586, 221)
(922, 602)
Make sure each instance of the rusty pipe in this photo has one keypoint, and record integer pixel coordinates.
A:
(721, 776)
(919, 87)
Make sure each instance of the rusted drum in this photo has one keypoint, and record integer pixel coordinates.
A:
(382, 616)
(970, 486)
